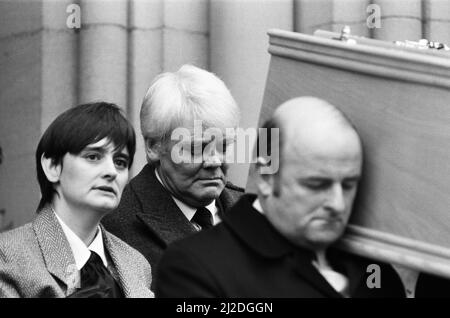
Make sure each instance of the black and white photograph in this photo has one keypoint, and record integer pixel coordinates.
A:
(246, 151)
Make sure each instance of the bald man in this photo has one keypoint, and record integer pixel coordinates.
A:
(280, 242)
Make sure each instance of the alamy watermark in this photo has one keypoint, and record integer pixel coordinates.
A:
(374, 19)
(374, 279)
(73, 20)
(229, 145)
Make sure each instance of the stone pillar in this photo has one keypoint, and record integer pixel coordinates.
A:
(352, 13)
(103, 51)
(20, 107)
(310, 15)
(239, 44)
(400, 20)
(185, 33)
(145, 62)
(437, 20)
(59, 61)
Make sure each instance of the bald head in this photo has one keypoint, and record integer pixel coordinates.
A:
(309, 124)
(309, 200)
(305, 115)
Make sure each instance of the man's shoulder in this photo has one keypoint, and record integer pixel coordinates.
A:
(144, 179)
(206, 242)
(146, 188)
(141, 190)
(230, 195)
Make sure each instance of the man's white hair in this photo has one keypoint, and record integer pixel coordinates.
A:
(188, 94)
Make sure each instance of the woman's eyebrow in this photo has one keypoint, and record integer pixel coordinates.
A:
(122, 155)
(99, 149)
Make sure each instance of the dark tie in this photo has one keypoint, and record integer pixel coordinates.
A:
(94, 275)
(203, 218)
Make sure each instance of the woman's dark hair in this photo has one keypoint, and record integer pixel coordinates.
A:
(76, 128)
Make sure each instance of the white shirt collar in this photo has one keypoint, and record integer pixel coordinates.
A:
(257, 206)
(188, 210)
(337, 280)
(80, 251)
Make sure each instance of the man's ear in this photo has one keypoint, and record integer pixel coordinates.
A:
(51, 169)
(153, 150)
(265, 182)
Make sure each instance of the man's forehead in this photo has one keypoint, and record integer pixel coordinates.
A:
(207, 135)
(340, 142)
(205, 140)
(326, 166)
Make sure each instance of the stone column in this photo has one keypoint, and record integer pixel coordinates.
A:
(103, 51)
(352, 13)
(437, 21)
(145, 62)
(59, 60)
(239, 44)
(185, 33)
(21, 32)
(400, 20)
(310, 15)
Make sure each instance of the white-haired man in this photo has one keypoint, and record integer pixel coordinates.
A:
(183, 188)
(280, 243)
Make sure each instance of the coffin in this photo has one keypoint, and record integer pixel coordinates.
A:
(399, 101)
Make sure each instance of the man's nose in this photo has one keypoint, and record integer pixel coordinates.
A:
(336, 199)
(212, 159)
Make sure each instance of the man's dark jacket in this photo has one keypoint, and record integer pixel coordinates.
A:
(148, 219)
(244, 256)
(432, 286)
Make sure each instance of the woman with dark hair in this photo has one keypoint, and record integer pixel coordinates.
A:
(82, 162)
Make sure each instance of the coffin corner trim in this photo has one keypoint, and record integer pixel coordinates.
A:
(390, 248)
(383, 61)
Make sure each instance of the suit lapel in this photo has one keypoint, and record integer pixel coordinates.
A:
(349, 265)
(122, 267)
(159, 212)
(302, 265)
(120, 263)
(55, 249)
